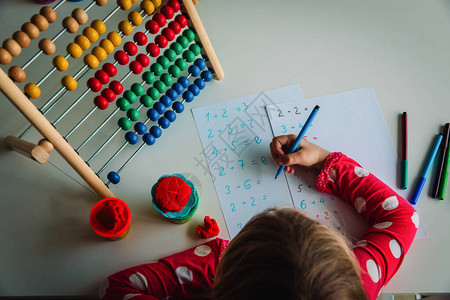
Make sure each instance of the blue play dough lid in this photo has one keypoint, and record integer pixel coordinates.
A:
(192, 202)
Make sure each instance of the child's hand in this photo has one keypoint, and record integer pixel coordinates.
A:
(308, 154)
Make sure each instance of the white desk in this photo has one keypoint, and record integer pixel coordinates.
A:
(400, 48)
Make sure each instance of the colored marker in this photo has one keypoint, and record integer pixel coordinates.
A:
(404, 165)
(446, 158)
(423, 176)
(300, 136)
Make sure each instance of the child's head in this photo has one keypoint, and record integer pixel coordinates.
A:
(284, 254)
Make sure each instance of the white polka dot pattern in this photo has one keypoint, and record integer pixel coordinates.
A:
(383, 225)
(139, 281)
(415, 219)
(184, 275)
(374, 270)
(360, 204)
(129, 296)
(390, 203)
(395, 247)
(202, 250)
(361, 243)
(360, 172)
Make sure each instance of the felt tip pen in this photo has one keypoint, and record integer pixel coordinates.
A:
(404, 164)
(446, 161)
(300, 136)
(423, 176)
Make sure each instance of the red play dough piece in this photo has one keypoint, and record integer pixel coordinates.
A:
(110, 217)
(209, 230)
(172, 193)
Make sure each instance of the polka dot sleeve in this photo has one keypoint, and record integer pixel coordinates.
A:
(393, 220)
(185, 275)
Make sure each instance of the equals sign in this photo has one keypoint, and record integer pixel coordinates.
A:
(258, 182)
(238, 109)
(247, 142)
(264, 197)
(242, 125)
(253, 162)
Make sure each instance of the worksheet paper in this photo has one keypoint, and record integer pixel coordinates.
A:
(235, 136)
(350, 122)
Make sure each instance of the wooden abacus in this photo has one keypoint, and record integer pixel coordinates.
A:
(182, 51)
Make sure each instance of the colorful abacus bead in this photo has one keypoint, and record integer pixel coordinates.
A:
(131, 137)
(140, 128)
(113, 177)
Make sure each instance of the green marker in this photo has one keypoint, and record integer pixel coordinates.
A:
(444, 176)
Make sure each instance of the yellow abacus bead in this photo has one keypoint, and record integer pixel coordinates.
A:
(82, 41)
(74, 50)
(69, 83)
(100, 53)
(124, 4)
(134, 1)
(107, 45)
(101, 2)
(135, 18)
(91, 61)
(147, 6)
(60, 63)
(115, 38)
(125, 27)
(99, 26)
(91, 34)
(156, 3)
(32, 90)
(80, 15)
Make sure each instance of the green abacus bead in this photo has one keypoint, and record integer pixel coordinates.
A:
(177, 47)
(146, 100)
(196, 49)
(124, 123)
(133, 114)
(157, 69)
(148, 77)
(170, 54)
(160, 86)
(183, 41)
(174, 70)
(167, 79)
(153, 92)
(189, 56)
(181, 63)
(189, 34)
(130, 96)
(138, 89)
(123, 104)
(163, 61)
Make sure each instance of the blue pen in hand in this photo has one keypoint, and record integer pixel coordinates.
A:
(300, 135)
(423, 176)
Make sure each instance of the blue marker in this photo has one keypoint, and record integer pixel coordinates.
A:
(423, 177)
(300, 136)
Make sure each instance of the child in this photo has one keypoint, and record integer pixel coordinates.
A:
(283, 253)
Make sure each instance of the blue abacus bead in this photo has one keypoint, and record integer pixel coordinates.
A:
(140, 128)
(165, 100)
(156, 131)
(194, 70)
(184, 81)
(200, 83)
(178, 87)
(178, 107)
(113, 177)
(199, 62)
(188, 96)
(172, 94)
(131, 137)
(164, 122)
(152, 114)
(170, 115)
(206, 76)
(149, 139)
(194, 89)
(160, 108)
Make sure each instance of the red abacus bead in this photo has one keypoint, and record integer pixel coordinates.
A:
(102, 76)
(101, 102)
(182, 20)
(174, 4)
(110, 69)
(140, 38)
(161, 41)
(116, 86)
(152, 26)
(168, 33)
(175, 26)
(159, 17)
(143, 59)
(136, 67)
(130, 48)
(94, 84)
(167, 11)
(109, 94)
(153, 49)
(121, 57)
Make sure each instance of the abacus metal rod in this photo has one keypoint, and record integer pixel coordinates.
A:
(50, 72)
(58, 4)
(71, 106)
(128, 161)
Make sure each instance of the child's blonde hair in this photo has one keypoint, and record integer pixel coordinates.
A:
(284, 254)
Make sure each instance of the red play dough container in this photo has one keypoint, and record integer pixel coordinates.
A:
(110, 218)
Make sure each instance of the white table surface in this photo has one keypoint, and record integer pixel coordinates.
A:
(400, 48)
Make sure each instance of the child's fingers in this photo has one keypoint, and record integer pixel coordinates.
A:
(281, 144)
